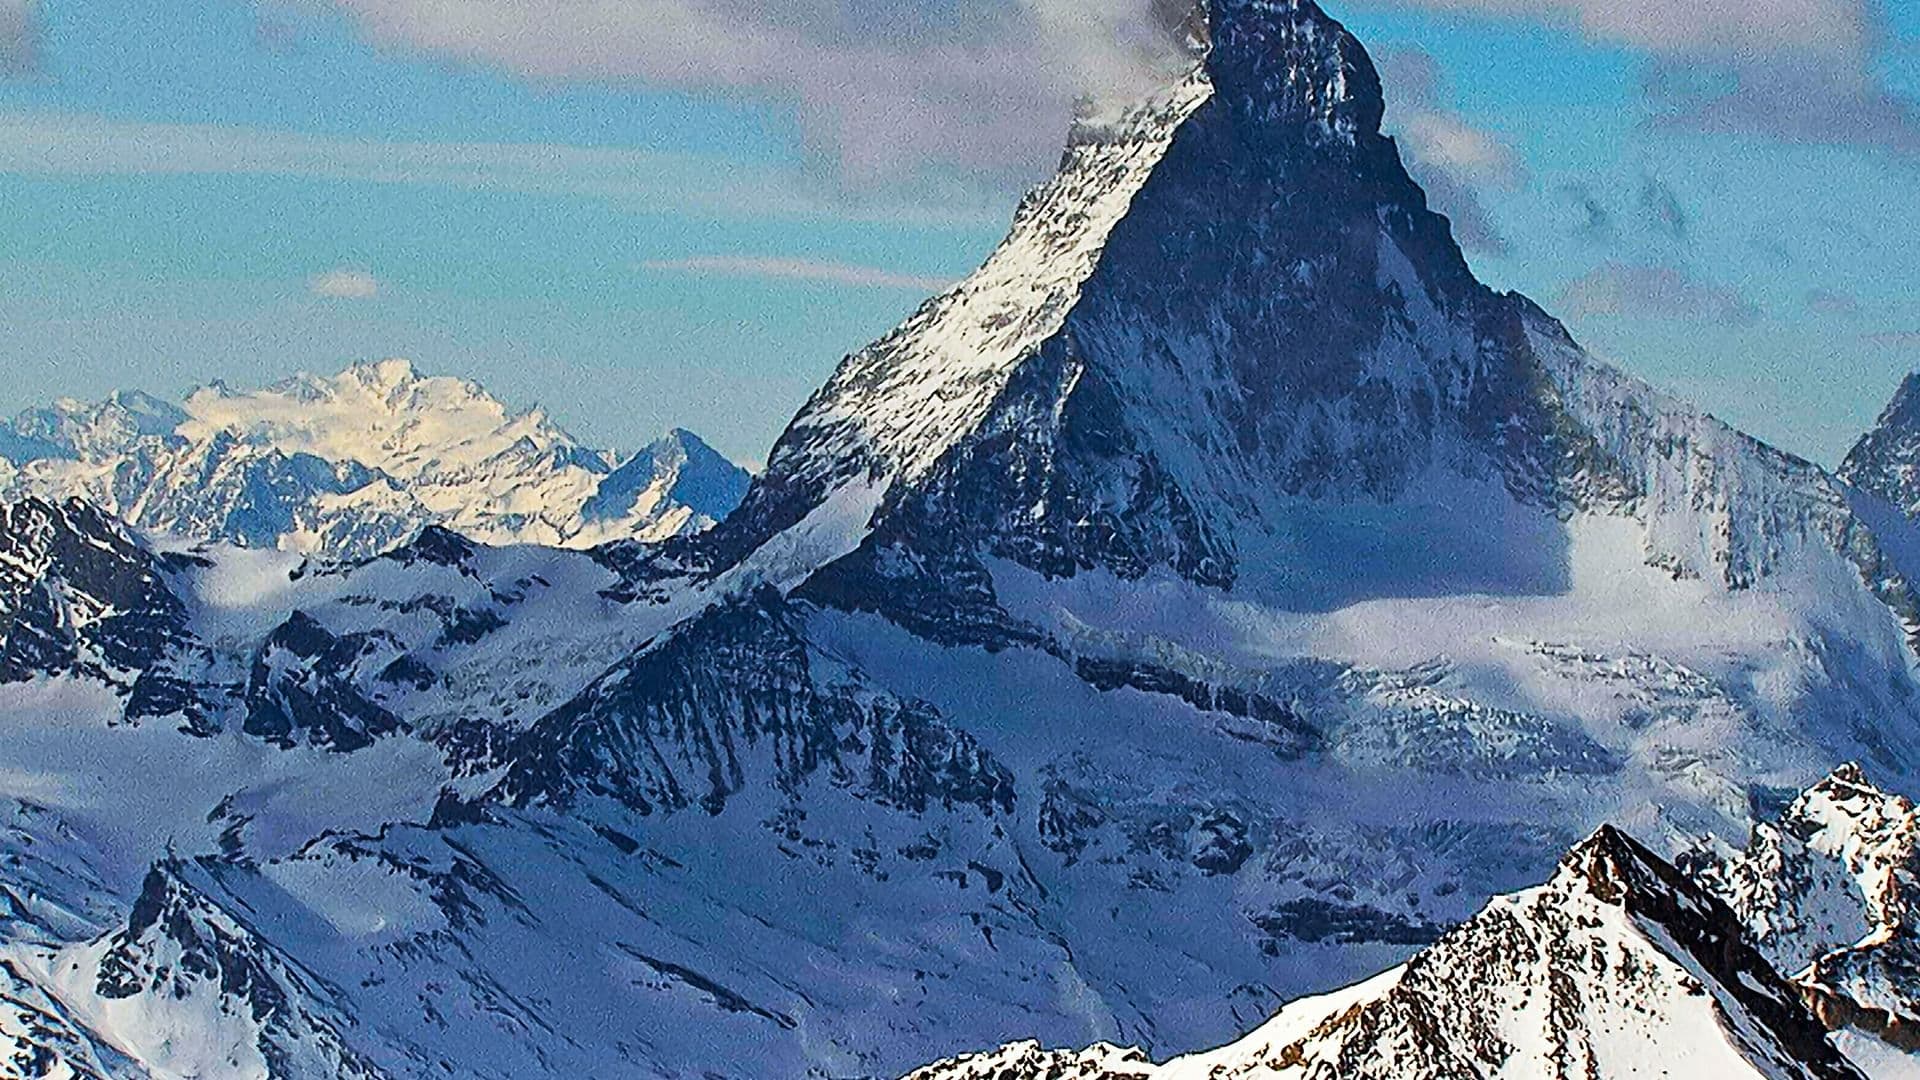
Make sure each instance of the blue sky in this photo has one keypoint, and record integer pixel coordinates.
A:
(638, 232)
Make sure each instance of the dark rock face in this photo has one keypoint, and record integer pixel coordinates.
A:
(1280, 724)
(80, 596)
(1345, 924)
(438, 545)
(737, 697)
(179, 945)
(1886, 460)
(1325, 341)
(304, 687)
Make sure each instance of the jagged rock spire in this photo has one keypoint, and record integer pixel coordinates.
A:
(1287, 71)
(1886, 460)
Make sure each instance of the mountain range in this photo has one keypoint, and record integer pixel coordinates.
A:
(350, 465)
(1219, 627)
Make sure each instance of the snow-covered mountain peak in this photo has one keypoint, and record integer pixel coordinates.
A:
(680, 467)
(348, 464)
(1231, 340)
(1831, 894)
(189, 989)
(1154, 421)
(381, 415)
(1841, 862)
(1611, 867)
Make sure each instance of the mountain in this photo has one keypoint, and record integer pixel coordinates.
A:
(1831, 893)
(79, 596)
(1231, 341)
(1886, 460)
(348, 466)
(192, 991)
(1211, 603)
(1619, 966)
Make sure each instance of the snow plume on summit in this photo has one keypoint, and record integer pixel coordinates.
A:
(348, 465)
(886, 85)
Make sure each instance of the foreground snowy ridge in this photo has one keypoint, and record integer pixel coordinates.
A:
(349, 465)
(1618, 967)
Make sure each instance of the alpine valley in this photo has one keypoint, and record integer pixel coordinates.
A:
(1219, 632)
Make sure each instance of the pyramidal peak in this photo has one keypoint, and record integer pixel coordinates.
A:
(1071, 362)
(1230, 340)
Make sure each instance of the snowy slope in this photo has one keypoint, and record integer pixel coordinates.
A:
(187, 989)
(349, 465)
(1211, 603)
(1617, 967)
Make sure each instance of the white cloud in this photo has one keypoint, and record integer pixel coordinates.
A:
(1451, 157)
(792, 269)
(1447, 141)
(1800, 70)
(1656, 292)
(72, 144)
(882, 86)
(344, 284)
(1709, 27)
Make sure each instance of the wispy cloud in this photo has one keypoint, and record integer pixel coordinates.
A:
(794, 269)
(885, 87)
(1595, 219)
(74, 144)
(1657, 292)
(882, 86)
(1801, 70)
(18, 47)
(1832, 302)
(1663, 208)
(344, 284)
(1700, 27)
(1451, 157)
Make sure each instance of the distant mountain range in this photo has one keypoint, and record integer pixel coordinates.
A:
(351, 465)
(1220, 628)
